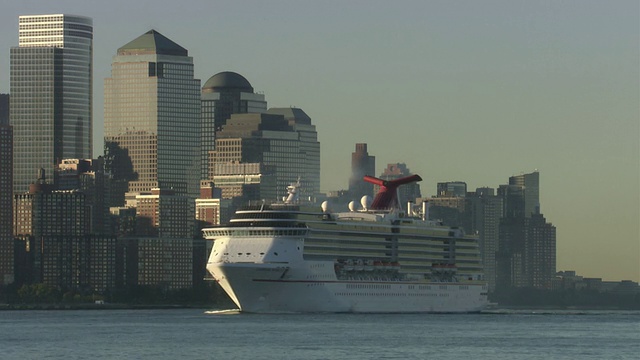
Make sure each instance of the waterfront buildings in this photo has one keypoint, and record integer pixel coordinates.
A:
(485, 210)
(55, 246)
(152, 150)
(166, 263)
(526, 254)
(361, 164)
(51, 94)
(6, 201)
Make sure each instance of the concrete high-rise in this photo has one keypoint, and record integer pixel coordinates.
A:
(485, 209)
(51, 94)
(225, 93)
(361, 164)
(152, 117)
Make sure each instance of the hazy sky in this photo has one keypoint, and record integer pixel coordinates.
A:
(472, 91)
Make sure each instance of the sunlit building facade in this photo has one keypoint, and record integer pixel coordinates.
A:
(51, 94)
(278, 148)
(152, 116)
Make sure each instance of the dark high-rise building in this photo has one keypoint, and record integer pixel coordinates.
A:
(51, 94)
(4, 109)
(6, 204)
(529, 185)
(361, 164)
(526, 255)
(46, 220)
(485, 211)
(452, 189)
(225, 93)
(527, 243)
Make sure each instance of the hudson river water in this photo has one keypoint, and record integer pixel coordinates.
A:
(202, 334)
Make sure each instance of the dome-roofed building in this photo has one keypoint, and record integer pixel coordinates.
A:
(225, 93)
(227, 81)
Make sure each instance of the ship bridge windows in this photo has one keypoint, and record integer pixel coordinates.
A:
(263, 215)
(256, 232)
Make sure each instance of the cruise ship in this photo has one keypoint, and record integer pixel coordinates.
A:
(374, 258)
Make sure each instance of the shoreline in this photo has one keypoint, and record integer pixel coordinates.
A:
(107, 306)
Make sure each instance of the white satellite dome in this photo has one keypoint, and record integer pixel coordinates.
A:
(325, 206)
(366, 202)
(352, 206)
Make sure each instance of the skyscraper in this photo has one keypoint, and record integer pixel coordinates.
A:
(225, 93)
(152, 117)
(361, 164)
(309, 169)
(529, 186)
(51, 94)
(485, 210)
(272, 146)
(527, 243)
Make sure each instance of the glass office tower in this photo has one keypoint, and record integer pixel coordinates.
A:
(152, 117)
(51, 94)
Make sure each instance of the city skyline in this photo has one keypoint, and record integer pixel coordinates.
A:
(474, 92)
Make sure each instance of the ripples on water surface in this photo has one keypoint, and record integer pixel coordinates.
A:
(227, 334)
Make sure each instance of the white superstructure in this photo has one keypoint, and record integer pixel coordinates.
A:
(288, 258)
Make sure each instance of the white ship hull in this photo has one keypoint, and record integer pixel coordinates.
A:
(268, 274)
